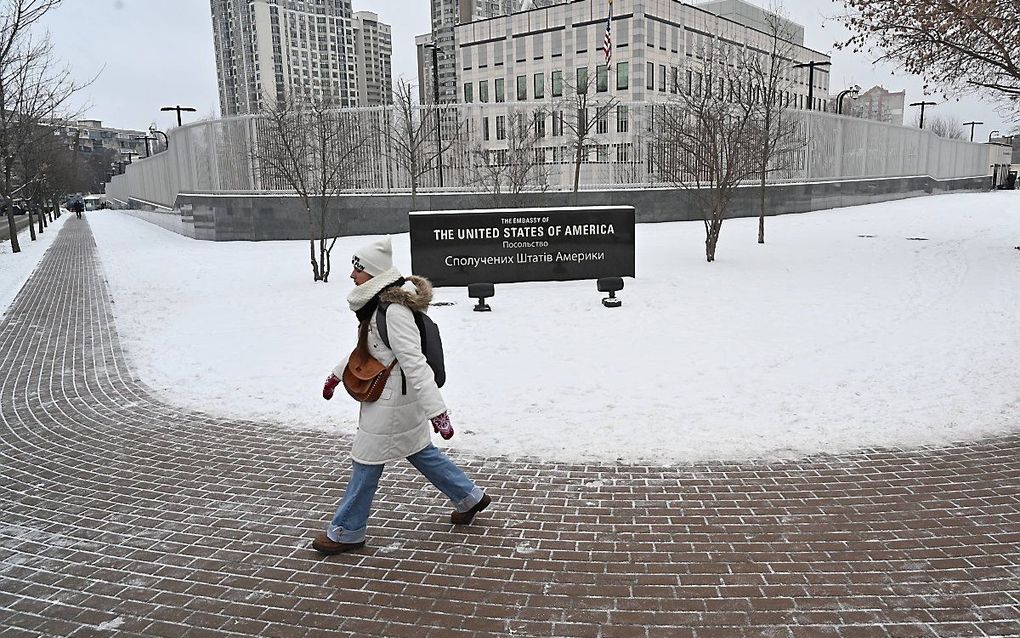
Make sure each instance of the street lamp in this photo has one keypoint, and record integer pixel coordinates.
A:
(435, 97)
(922, 105)
(972, 125)
(990, 136)
(810, 66)
(178, 108)
(853, 92)
(166, 139)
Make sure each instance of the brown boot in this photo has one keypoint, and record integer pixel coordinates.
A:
(325, 545)
(463, 518)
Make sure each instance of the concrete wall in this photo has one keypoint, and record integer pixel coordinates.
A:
(252, 217)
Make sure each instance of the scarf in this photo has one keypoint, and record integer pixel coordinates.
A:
(364, 299)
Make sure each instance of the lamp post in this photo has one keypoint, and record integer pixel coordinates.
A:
(853, 92)
(972, 125)
(990, 134)
(810, 66)
(178, 108)
(166, 139)
(922, 105)
(435, 97)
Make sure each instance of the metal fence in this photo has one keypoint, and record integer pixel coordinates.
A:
(219, 156)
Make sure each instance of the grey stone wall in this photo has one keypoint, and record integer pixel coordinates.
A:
(252, 217)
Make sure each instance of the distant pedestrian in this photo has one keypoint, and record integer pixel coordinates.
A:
(78, 207)
(396, 425)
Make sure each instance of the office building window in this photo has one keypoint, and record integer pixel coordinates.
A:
(557, 83)
(622, 76)
(468, 92)
(522, 88)
(601, 78)
(622, 119)
(650, 76)
(539, 86)
(500, 90)
(500, 127)
(662, 78)
(483, 91)
(582, 80)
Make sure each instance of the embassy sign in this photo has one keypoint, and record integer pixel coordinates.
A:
(461, 247)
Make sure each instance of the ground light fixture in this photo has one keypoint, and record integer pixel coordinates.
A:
(481, 292)
(611, 285)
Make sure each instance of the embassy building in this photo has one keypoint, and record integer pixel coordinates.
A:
(658, 49)
(531, 60)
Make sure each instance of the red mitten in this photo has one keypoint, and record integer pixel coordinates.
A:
(441, 424)
(331, 383)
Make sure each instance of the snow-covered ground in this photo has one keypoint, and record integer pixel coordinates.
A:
(16, 268)
(841, 332)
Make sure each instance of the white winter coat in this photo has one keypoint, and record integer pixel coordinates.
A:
(397, 425)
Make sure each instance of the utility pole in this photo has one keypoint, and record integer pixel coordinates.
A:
(810, 66)
(178, 108)
(972, 125)
(922, 105)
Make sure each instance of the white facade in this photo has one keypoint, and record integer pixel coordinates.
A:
(373, 44)
(657, 51)
(755, 17)
(530, 60)
(266, 49)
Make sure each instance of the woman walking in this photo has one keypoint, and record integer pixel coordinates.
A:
(396, 425)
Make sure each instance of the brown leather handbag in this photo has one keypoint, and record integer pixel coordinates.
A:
(364, 376)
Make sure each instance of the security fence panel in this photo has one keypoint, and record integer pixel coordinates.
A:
(520, 147)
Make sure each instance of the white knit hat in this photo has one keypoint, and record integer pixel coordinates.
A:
(374, 258)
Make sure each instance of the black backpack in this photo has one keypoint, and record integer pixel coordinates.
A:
(431, 342)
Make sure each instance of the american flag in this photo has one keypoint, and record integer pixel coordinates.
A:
(607, 42)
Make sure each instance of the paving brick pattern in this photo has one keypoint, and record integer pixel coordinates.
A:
(122, 515)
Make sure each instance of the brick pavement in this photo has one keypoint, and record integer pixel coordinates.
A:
(122, 515)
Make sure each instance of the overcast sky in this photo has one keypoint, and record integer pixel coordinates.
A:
(153, 53)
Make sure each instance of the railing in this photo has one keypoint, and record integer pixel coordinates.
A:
(220, 156)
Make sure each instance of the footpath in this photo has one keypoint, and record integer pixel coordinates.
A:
(125, 516)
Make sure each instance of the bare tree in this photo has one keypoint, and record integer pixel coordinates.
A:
(965, 43)
(33, 91)
(947, 126)
(705, 143)
(518, 163)
(767, 95)
(313, 148)
(588, 110)
(416, 136)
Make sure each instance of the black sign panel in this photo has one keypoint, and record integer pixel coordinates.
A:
(457, 248)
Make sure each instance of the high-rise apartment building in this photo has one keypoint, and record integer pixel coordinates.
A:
(268, 49)
(373, 47)
(446, 15)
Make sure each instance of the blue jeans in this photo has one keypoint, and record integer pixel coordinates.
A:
(351, 518)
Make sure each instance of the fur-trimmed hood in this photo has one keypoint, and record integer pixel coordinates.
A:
(418, 299)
